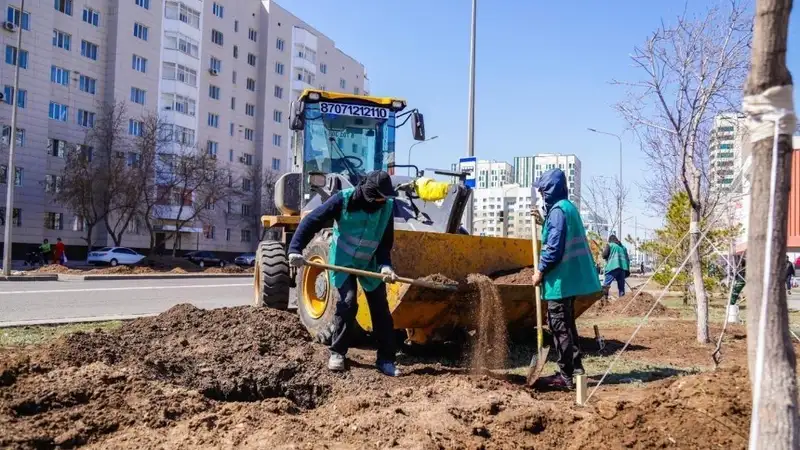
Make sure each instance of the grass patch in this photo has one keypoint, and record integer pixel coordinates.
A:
(32, 335)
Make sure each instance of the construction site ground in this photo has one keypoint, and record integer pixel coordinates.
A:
(252, 378)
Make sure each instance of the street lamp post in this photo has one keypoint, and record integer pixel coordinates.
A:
(471, 108)
(412, 146)
(11, 171)
(619, 195)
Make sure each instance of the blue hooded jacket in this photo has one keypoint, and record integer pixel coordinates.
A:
(553, 186)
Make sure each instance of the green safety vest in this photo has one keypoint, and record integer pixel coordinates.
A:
(576, 273)
(617, 258)
(44, 248)
(356, 236)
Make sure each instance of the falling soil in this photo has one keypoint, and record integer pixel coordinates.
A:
(439, 278)
(631, 305)
(491, 346)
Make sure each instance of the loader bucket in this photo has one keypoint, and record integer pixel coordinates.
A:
(425, 313)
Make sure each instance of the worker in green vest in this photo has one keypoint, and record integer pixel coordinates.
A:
(566, 270)
(46, 250)
(363, 235)
(618, 266)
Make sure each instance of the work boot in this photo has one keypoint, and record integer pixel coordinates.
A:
(336, 362)
(559, 381)
(388, 368)
(579, 370)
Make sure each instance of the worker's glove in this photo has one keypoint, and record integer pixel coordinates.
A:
(388, 274)
(296, 260)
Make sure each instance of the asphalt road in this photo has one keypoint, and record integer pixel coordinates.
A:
(67, 301)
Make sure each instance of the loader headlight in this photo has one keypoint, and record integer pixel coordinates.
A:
(397, 104)
(313, 96)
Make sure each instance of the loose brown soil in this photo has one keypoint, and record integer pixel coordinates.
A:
(490, 348)
(524, 276)
(630, 304)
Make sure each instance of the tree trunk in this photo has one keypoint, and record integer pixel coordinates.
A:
(701, 298)
(89, 230)
(778, 426)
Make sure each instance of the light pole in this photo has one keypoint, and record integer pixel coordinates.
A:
(471, 110)
(11, 172)
(412, 146)
(619, 194)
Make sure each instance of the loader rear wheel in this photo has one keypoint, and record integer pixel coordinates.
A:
(271, 282)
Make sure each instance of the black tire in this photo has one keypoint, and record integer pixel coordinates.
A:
(113, 263)
(222, 264)
(272, 281)
(202, 264)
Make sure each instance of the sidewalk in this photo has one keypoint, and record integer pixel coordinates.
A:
(19, 264)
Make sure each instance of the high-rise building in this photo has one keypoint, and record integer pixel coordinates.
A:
(491, 174)
(508, 202)
(726, 153)
(222, 72)
(528, 169)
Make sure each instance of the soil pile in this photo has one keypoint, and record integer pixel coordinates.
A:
(491, 347)
(524, 276)
(228, 269)
(56, 268)
(630, 304)
(178, 270)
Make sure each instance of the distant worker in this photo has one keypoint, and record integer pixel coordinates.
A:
(789, 275)
(45, 249)
(59, 253)
(641, 267)
(738, 281)
(618, 266)
(566, 270)
(363, 235)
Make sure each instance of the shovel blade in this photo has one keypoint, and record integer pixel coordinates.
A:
(537, 365)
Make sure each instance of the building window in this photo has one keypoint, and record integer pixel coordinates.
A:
(249, 109)
(179, 103)
(213, 120)
(11, 57)
(278, 92)
(251, 84)
(276, 164)
(210, 231)
(179, 11)
(17, 176)
(56, 147)
(135, 127)
(323, 68)
(218, 10)
(306, 53)
(58, 111)
(245, 235)
(216, 37)
(172, 71)
(249, 134)
(280, 44)
(251, 59)
(54, 221)
(276, 140)
(236, 26)
(89, 50)
(233, 76)
(342, 83)
(61, 40)
(176, 41)
(305, 76)
(231, 130)
(64, 6)
(248, 159)
(213, 91)
(59, 75)
(16, 215)
(91, 16)
(52, 183)
(140, 31)
(279, 68)
(143, 3)
(87, 84)
(8, 94)
(277, 116)
(233, 103)
(139, 63)
(183, 135)
(86, 118)
(247, 186)
(356, 90)
(7, 135)
(227, 234)
(212, 148)
(13, 16)
(235, 52)
(253, 35)
(138, 95)
(215, 65)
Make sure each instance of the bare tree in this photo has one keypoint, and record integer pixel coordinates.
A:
(605, 197)
(693, 70)
(772, 362)
(262, 195)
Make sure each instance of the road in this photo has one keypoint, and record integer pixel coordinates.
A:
(64, 301)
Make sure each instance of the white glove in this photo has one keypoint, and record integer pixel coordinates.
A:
(388, 274)
(296, 260)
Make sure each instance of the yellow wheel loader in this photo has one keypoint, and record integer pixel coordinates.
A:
(337, 139)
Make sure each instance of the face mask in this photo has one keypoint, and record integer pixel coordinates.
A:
(540, 205)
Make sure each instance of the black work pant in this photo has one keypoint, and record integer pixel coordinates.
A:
(345, 317)
(561, 319)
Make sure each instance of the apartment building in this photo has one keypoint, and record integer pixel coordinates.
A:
(594, 223)
(528, 169)
(492, 174)
(726, 152)
(222, 72)
(508, 202)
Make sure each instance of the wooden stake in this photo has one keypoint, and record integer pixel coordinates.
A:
(581, 389)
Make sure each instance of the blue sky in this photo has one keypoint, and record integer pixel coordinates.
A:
(543, 73)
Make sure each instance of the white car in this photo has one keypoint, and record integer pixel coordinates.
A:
(114, 256)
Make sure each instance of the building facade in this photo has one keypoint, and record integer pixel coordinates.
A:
(594, 223)
(503, 211)
(492, 174)
(726, 153)
(528, 169)
(222, 72)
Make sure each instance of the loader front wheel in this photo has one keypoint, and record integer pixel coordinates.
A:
(271, 282)
(316, 294)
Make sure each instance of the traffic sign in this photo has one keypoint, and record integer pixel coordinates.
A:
(468, 165)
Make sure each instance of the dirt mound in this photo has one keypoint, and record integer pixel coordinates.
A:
(228, 269)
(178, 270)
(56, 268)
(630, 304)
(524, 276)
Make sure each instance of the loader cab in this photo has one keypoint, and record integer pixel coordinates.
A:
(345, 134)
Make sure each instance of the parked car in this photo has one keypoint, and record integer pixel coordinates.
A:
(245, 259)
(114, 256)
(205, 259)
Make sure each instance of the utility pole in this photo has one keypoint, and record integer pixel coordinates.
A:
(471, 110)
(11, 172)
(621, 188)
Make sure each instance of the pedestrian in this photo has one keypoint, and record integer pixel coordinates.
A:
(45, 249)
(617, 265)
(363, 235)
(641, 267)
(789, 275)
(738, 280)
(566, 270)
(60, 252)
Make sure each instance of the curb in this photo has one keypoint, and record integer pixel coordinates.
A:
(188, 276)
(43, 277)
(71, 320)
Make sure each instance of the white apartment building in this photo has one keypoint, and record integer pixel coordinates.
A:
(528, 169)
(492, 174)
(594, 222)
(726, 152)
(510, 202)
(223, 72)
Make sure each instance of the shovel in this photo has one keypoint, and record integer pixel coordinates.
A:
(540, 357)
(366, 273)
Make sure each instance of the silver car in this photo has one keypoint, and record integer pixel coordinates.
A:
(245, 259)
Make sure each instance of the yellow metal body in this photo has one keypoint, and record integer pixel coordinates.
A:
(343, 97)
(289, 222)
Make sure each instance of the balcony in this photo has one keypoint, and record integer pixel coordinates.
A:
(170, 212)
